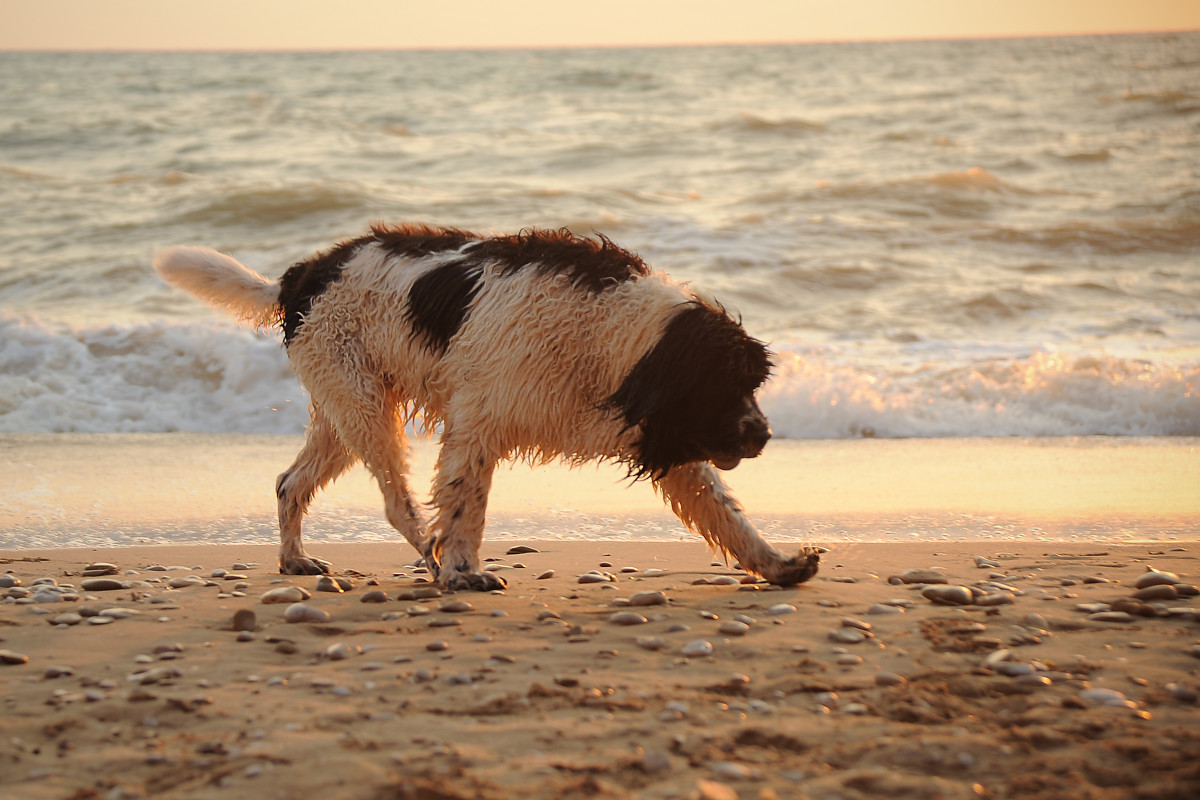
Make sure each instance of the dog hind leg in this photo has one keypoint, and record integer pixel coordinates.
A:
(704, 504)
(460, 494)
(322, 459)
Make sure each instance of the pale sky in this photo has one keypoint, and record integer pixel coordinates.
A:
(354, 24)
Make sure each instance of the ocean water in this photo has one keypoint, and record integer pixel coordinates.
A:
(938, 239)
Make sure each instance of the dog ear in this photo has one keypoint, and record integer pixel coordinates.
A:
(702, 365)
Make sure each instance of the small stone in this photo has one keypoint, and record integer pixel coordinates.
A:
(627, 618)
(100, 568)
(655, 761)
(779, 609)
(650, 642)
(285, 594)
(9, 657)
(733, 628)
(985, 563)
(1155, 578)
(889, 679)
(949, 595)
(69, 618)
(847, 636)
(186, 581)
(995, 599)
(1111, 616)
(883, 608)
(851, 622)
(713, 790)
(328, 583)
(1105, 697)
(521, 549)
(921, 576)
(299, 612)
(1157, 591)
(724, 580)
(456, 607)
(340, 651)
(244, 620)
(541, 576)
(655, 598)
(595, 577)
(437, 647)
(697, 648)
(101, 585)
(374, 596)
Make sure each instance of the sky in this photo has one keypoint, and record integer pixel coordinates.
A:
(388, 24)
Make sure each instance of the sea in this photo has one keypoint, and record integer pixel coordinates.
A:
(953, 239)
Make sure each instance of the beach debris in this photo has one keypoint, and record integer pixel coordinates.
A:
(299, 612)
(285, 594)
(949, 595)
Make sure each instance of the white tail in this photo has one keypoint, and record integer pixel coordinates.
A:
(222, 282)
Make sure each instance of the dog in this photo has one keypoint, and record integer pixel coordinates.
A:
(539, 345)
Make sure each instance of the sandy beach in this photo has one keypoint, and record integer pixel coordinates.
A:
(993, 665)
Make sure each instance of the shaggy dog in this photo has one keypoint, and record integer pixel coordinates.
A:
(538, 346)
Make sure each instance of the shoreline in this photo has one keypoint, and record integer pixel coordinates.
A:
(850, 686)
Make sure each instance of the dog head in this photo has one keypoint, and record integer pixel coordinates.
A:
(692, 394)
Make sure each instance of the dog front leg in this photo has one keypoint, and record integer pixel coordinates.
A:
(703, 503)
(460, 494)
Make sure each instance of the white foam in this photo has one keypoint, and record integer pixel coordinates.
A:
(145, 377)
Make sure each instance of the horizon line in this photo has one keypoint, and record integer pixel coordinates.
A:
(595, 46)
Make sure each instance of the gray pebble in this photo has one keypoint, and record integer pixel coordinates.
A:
(921, 576)
(299, 612)
(1104, 697)
(779, 609)
(627, 618)
(655, 598)
(456, 607)
(650, 642)
(285, 594)
(1111, 616)
(847, 636)
(733, 627)
(545, 575)
(1157, 591)
(996, 599)
(880, 608)
(697, 648)
(328, 583)
(596, 577)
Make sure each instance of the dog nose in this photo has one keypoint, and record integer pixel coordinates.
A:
(756, 432)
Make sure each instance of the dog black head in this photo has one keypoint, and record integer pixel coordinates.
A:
(692, 394)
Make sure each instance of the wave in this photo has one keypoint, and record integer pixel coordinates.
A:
(148, 377)
(755, 123)
(215, 378)
(1044, 394)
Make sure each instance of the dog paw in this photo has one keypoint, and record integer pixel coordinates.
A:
(304, 565)
(796, 569)
(473, 582)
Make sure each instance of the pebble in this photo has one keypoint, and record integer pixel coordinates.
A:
(733, 627)
(1156, 578)
(9, 657)
(374, 596)
(101, 585)
(244, 620)
(985, 563)
(1110, 616)
(299, 612)
(779, 609)
(713, 790)
(883, 608)
(70, 618)
(285, 594)
(340, 652)
(949, 595)
(650, 642)
(521, 549)
(185, 581)
(724, 580)
(437, 647)
(996, 599)
(847, 636)
(1157, 591)
(328, 583)
(596, 577)
(1105, 697)
(697, 648)
(921, 576)
(8, 581)
(655, 598)
(456, 607)
(627, 618)
(889, 679)
(545, 575)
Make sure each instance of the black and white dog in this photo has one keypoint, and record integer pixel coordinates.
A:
(539, 345)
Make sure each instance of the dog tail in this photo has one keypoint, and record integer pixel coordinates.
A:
(222, 282)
